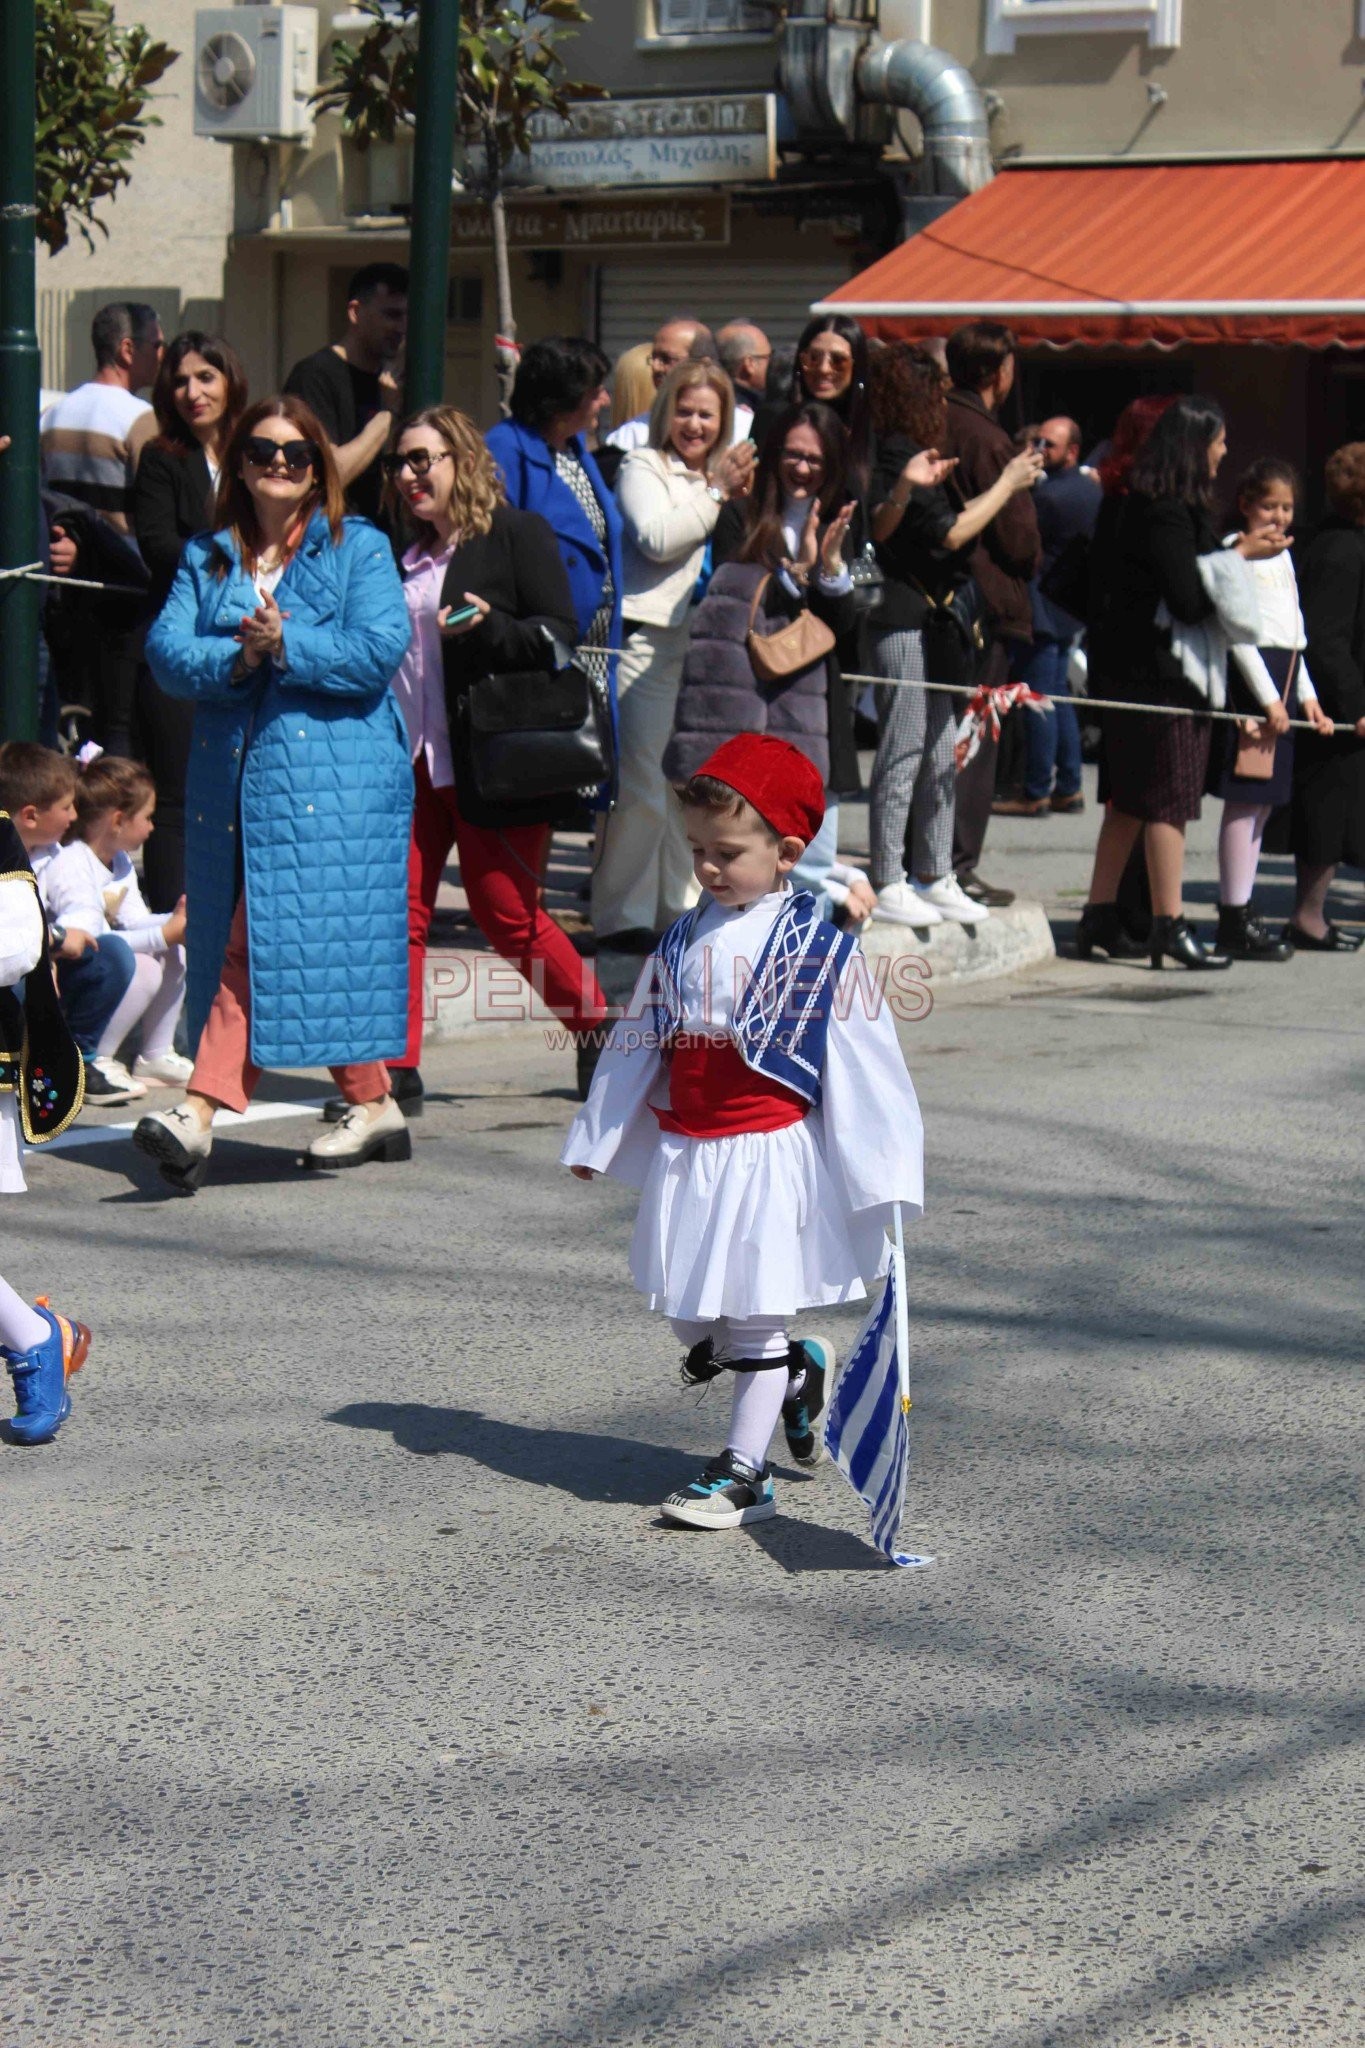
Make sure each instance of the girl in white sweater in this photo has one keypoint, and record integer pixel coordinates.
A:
(92, 887)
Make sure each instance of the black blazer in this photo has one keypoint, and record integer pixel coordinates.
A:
(172, 499)
(516, 567)
(1332, 592)
(1145, 552)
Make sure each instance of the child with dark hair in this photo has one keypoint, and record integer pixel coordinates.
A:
(40, 1093)
(91, 888)
(756, 1094)
(1252, 767)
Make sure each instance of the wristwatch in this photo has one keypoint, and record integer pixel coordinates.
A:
(715, 491)
(56, 934)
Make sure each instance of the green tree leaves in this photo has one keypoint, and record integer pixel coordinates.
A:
(94, 87)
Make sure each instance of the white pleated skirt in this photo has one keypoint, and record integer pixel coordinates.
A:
(749, 1226)
(12, 1180)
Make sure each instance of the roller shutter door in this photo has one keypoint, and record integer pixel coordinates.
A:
(636, 298)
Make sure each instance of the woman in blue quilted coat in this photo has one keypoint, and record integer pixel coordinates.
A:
(284, 627)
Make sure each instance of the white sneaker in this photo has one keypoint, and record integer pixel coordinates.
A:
(951, 900)
(164, 1069)
(119, 1079)
(902, 903)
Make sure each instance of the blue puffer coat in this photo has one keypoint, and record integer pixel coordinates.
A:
(300, 790)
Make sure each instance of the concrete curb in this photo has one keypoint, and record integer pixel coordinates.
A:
(1009, 941)
(469, 989)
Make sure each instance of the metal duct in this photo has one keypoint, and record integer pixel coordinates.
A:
(945, 99)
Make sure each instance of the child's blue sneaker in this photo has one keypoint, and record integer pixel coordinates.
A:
(811, 1364)
(727, 1494)
(41, 1402)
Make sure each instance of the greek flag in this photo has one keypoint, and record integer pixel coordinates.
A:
(867, 1423)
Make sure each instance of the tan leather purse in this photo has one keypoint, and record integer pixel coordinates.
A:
(1256, 750)
(801, 644)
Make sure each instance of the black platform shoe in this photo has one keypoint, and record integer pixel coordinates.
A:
(1242, 936)
(1172, 939)
(1102, 925)
(1335, 940)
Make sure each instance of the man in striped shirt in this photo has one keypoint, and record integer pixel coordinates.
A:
(89, 443)
(86, 434)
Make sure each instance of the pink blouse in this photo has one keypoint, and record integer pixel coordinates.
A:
(420, 682)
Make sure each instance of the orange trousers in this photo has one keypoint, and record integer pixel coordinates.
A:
(223, 1069)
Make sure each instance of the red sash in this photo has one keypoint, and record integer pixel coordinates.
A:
(713, 1094)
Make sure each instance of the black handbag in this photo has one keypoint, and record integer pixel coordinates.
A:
(955, 631)
(536, 733)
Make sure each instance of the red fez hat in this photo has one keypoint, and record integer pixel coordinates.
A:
(776, 778)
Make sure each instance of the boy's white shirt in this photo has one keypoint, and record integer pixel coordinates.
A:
(80, 892)
(21, 931)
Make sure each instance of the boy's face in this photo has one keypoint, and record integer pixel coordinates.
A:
(736, 858)
(46, 826)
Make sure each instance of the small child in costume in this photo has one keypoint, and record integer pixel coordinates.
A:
(92, 887)
(40, 1093)
(756, 1094)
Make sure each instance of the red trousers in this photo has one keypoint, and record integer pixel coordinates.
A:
(501, 870)
(223, 1069)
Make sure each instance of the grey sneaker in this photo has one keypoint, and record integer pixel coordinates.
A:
(726, 1495)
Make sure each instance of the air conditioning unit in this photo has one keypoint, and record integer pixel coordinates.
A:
(254, 71)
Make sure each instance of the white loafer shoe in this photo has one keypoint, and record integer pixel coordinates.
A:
(363, 1134)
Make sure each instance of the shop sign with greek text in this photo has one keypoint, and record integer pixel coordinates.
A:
(713, 139)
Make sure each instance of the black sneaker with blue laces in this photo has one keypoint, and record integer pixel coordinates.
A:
(727, 1495)
(810, 1369)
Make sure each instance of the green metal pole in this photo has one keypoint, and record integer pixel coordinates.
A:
(19, 373)
(433, 161)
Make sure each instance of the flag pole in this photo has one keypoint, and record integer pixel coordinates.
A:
(902, 1306)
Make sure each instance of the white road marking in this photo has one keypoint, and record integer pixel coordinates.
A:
(226, 1120)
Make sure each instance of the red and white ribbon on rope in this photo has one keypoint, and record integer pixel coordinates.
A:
(985, 708)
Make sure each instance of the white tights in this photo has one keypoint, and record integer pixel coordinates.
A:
(1239, 851)
(20, 1326)
(153, 998)
(758, 1396)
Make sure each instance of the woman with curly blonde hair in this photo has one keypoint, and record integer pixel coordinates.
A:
(486, 593)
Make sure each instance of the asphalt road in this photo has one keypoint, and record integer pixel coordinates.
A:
(356, 1695)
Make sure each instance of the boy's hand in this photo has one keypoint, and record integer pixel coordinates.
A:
(74, 944)
(583, 1172)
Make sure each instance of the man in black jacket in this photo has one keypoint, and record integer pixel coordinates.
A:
(981, 365)
(353, 386)
(1067, 503)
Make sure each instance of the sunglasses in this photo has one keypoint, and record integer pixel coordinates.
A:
(828, 359)
(418, 460)
(299, 456)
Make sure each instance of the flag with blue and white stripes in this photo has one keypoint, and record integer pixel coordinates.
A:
(867, 1422)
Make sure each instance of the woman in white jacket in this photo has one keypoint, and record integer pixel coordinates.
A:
(670, 494)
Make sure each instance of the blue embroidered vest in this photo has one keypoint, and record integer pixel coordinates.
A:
(781, 1020)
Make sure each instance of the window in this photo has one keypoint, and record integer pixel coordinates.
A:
(1157, 20)
(714, 17)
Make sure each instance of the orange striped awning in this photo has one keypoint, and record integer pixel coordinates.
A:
(1134, 254)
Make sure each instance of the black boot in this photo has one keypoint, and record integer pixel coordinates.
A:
(1102, 925)
(1172, 939)
(1244, 937)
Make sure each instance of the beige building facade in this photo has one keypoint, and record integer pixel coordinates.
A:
(700, 191)
(167, 240)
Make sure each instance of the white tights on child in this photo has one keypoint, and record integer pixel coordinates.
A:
(152, 998)
(1239, 851)
(758, 1396)
(20, 1326)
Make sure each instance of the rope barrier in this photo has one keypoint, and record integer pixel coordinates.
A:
(33, 572)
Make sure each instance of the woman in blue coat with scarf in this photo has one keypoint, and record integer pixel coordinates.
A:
(542, 452)
(284, 627)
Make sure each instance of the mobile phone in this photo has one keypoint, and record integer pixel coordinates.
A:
(1039, 446)
(461, 617)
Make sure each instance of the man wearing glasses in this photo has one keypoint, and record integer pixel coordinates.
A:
(679, 340)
